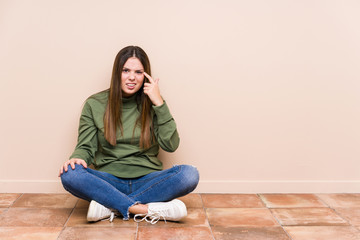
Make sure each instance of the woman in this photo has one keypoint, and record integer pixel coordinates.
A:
(120, 132)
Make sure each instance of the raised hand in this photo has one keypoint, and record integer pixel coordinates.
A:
(152, 90)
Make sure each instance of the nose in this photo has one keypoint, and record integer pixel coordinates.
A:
(132, 76)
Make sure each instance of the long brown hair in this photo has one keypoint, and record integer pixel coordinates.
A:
(113, 112)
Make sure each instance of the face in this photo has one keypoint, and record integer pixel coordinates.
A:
(132, 77)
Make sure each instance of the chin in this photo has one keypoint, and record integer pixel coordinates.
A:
(129, 94)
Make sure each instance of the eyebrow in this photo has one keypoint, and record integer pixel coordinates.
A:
(126, 68)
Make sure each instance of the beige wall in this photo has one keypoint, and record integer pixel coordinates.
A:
(265, 93)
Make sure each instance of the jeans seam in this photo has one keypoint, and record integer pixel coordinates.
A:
(145, 190)
(140, 180)
(118, 181)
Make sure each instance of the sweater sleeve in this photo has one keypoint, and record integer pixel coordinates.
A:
(87, 139)
(165, 128)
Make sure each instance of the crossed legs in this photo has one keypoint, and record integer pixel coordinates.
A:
(130, 195)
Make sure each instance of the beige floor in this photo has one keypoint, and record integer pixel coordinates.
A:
(210, 216)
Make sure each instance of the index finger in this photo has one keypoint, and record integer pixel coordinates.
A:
(149, 77)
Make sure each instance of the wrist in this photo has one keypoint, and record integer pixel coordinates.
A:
(159, 102)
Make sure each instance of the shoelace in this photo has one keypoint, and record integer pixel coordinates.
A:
(154, 217)
(111, 218)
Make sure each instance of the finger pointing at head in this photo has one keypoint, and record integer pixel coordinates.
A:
(149, 77)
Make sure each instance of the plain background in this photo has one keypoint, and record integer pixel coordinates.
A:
(265, 93)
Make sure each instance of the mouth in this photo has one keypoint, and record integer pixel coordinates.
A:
(130, 86)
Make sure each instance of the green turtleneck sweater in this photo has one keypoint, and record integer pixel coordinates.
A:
(126, 159)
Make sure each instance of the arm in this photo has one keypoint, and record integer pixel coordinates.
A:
(164, 125)
(165, 129)
(87, 141)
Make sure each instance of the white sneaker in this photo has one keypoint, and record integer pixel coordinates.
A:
(98, 212)
(174, 210)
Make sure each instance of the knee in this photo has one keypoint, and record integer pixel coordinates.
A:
(71, 175)
(191, 176)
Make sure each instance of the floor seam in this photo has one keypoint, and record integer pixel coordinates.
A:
(136, 231)
(334, 209)
(67, 220)
(261, 199)
(207, 218)
(322, 201)
(290, 231)
(16, 200)
(344, 218)
(282, 227)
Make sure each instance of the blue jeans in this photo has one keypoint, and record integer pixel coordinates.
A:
(120, 194)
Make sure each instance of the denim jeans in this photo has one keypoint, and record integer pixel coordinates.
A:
(120, 194)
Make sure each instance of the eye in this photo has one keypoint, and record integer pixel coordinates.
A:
(125, 70)
(139, 72)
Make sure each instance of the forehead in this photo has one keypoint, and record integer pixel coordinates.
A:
(133, 63)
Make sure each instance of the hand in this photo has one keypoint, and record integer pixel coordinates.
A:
(152, 90)
(72, 163)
